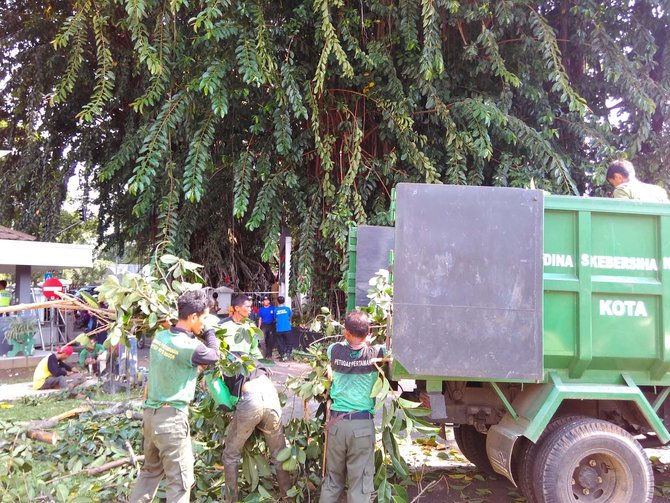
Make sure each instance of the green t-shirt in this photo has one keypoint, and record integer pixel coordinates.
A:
(5, 298)
(85, 353)
(243, 346)
(353, 376)
(172, 375)
(640, 191)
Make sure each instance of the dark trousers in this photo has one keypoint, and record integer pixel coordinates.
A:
(258, 409)
(350, 461)
(167, 453)
(54, 383)
(268, 339)
(284, 343)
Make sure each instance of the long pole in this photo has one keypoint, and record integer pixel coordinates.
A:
(51, 329)
(287, 270)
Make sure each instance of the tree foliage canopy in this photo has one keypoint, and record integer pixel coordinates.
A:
(215, 125)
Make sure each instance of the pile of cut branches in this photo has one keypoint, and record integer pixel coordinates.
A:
(86, 454)
(69, 470)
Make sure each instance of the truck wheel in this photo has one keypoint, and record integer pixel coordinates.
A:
(590, 460)
(526, 456)
(473, 446)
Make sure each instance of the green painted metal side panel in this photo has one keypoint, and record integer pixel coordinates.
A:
(606, 292)
(606, 274)
(606, 313)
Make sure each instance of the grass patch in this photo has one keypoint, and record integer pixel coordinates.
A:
(43, 407)
(30, 409)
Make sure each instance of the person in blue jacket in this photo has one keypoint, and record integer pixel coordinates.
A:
(266, 322)
(283, 329)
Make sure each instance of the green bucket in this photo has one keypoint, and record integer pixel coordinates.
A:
(221, 394)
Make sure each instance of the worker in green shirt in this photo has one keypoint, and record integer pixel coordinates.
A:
(173, 360)
(92, 355)
(258, 406)
(5, 295)
(350, 455)
(621, 175)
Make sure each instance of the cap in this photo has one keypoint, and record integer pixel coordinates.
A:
(66, 350)
(265, 297)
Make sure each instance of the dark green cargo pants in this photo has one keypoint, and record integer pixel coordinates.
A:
(167, 452)
(350, 461)
(259, 408)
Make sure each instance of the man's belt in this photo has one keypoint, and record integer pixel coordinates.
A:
(351, 415)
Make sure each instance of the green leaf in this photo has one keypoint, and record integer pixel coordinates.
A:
(62, 492)
(168, 259)
(99, 461)
(89, 299)
(377, 387)
(290, 465)
(407, 404)
(284, 454)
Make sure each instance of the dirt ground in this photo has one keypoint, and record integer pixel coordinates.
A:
(443, 475)
(455, 480)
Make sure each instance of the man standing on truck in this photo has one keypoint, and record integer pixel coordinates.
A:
(350, 452)
(174, 357)
(621, 175)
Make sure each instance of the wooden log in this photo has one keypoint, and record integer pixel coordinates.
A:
(72, 412)
(36, 305)
(69, 303)
(48, 437)
(113, 464)
(45, 424)
(100, 469)
(114, 410)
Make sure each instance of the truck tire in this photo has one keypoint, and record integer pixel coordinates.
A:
(472, 445)
(595, 461)
(526, 456)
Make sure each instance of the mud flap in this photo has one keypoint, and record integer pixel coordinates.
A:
(500, 441)
(437, 405)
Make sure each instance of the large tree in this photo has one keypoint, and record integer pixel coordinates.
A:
(214, 125)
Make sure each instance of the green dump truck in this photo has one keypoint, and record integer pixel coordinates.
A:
(537, 326)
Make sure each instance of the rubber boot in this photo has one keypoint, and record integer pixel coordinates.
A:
(284, 481)
(230, 488)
